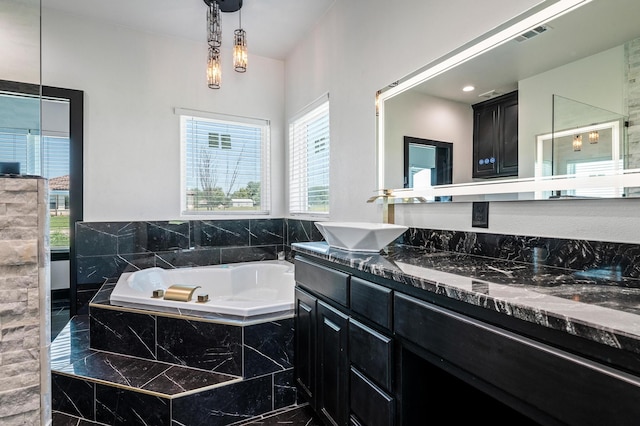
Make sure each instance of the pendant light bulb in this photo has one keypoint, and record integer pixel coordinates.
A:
(240, 47)
(214, 70)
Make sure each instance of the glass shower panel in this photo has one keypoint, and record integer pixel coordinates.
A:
(586, 141)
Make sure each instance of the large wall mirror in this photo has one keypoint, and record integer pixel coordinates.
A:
(564, 71)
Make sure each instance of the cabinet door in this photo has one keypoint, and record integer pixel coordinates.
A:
(333, 365)
(305, 344)
(495, 137)
(485, 141)
(508, 149)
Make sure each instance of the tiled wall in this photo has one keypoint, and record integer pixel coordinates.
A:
(25, 397)
(105, 250)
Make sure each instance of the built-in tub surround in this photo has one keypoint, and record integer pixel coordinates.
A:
(105, 250)
(168, 366)
(25, 395)
(243, 289)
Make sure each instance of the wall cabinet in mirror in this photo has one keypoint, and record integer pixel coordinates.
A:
(495, 137)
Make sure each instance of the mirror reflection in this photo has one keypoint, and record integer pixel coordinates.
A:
(561, 78)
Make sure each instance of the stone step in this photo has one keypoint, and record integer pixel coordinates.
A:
(104, 387)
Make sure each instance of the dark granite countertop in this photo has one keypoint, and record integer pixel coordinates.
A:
(599, 305)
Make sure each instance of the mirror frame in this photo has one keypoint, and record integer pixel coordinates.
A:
(534, 17)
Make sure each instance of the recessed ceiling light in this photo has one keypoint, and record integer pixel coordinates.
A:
(468, 89)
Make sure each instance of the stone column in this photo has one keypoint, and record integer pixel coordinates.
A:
(25, 322)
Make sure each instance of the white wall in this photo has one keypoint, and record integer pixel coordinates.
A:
(132, 81)
(362, 45)
(20, 40)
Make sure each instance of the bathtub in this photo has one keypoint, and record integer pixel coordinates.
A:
(240, 289)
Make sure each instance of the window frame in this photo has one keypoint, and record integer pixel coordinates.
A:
(292, 175)
(265, 158)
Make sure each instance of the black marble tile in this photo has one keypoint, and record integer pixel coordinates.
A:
(140, 237)
(96, 238)
(298, 231)
(198, 344)
(249, 254)
(177, 380)
(115, 406)
(284, 389)
(69, 347)
(117, 369)
(203, 256)
(266, 232)
(123, 332)
(72, 396)
(98, 269)
(84, 294)
(219, 233)
(63, 419)
(302, 415)
(225, 405)
(268, 347)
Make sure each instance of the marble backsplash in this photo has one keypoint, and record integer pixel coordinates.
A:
(609, 258)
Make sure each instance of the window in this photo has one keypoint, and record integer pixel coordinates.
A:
(46, 155)
(595, 168)
(309, 145)
(225, 163)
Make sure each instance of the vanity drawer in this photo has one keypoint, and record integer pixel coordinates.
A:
(371, 352)
(584, 392)
(370, 404)
(372, 301)
(321, 280)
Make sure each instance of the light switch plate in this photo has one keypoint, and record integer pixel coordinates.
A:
(480, 214)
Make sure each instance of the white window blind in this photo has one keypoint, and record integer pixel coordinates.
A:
(594, 168)
(309, 145)
(225, 164)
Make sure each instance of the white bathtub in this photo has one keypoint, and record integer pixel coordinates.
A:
(240, 289)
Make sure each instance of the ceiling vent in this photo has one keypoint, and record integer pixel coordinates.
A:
(490, 94)
(532, 33)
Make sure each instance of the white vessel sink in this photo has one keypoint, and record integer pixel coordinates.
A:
(359, 236)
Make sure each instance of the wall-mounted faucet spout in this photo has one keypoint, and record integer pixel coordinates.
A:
(388, 203)
(388, 208)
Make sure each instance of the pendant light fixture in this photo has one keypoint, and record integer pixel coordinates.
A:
(240, 47)
(577, 142)
(594, 136)
(214, 40)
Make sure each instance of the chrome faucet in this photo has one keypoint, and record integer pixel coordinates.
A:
(388, 209)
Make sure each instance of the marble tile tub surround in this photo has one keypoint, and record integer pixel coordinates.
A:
(104, 250)
(607, 259)
(99, 387)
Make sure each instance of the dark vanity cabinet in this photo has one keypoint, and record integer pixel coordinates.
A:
(383, 353)
(344, 358)
(495, 137)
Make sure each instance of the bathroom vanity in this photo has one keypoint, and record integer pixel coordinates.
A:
(388, 339)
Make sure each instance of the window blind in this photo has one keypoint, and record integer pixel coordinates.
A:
(225, 165)
(309, 149)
